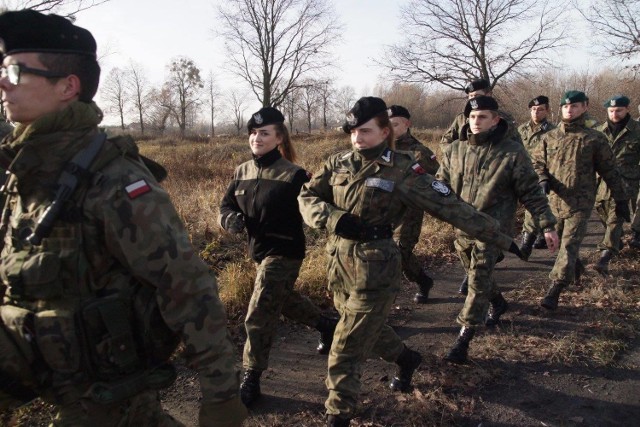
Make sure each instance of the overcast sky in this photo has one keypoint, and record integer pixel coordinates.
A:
(152, 32)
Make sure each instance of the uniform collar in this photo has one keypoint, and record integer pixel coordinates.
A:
(268, 159)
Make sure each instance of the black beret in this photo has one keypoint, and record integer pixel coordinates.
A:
(478, 84)
(398, 111)
(264, 117)
(31, 31)
(618, 101)
(572, 96)
(539, 100)
(364, 110)
(480, 103)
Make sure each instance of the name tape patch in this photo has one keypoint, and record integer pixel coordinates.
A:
(383, 184)
(137, 189)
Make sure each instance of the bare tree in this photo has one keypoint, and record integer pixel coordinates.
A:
(161, 107)
(114, 92)
(325, 93)
(213, 93)
(344, 100)
(138, 85)
(289, 105)
(68, 7)
(452, 41)
(185, 84)
(274, 44)
(617, 25)
(308, 100)
(236, 103)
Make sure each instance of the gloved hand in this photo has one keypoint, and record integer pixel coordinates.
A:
(230, 413)
(516, 251)
(234, 223)
(622, 210)
(545, 186)
(349, 226)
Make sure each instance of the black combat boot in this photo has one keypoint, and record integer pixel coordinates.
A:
(326, 326)
(635, 241)
(458, 353)
(550, 300)
(527, 244)
(497, 308)
(250, 387)
(337, 421)
(464, 286)
(407, 362)
(425, 283)
(579, 271)
(541, 242)
(602, 266)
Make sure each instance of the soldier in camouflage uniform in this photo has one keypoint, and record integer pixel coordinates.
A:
(407, 232)
(5, 127)
(493, 173)
(99, 279)
(530, 133)
(567, 160)
(263, 198)
(623, 135)
(356, 197)
(479, 87)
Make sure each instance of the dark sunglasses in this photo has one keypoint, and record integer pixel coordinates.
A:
(14, 71)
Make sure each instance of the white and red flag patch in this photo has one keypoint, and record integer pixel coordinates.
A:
(137, 189)
(418, 169)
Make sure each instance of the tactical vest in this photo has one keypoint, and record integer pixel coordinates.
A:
(64, 329)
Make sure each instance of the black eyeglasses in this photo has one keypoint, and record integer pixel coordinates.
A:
(14, 71)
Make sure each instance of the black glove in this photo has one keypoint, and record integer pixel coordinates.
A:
(350, 227)
(622, 210)
(234, 223)
(545, 186)
(516, 251)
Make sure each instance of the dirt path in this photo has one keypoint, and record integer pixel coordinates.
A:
(495, 389)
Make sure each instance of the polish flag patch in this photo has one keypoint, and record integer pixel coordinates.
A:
(418, 169)
(137, 189)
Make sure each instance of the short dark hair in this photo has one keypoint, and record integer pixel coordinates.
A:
(83, 66)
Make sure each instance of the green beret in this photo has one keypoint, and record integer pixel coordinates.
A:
(480, 103)
(264, 117)
(572, 96)
(31, 31)
(363, 110)
(398, 111)
(617, 101)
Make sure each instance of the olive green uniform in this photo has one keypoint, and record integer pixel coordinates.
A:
(364, 275)
(569, 157)
(530, 134)
(73, 304)
(626, 149)
(493, 173)
(453, 132)
(407, 232)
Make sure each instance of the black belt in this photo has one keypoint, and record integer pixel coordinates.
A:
(376, 232)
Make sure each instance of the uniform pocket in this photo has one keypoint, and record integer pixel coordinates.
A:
(32, 276)
(57, 340)
(377, 269)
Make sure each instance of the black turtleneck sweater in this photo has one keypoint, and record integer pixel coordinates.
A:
(265, 191)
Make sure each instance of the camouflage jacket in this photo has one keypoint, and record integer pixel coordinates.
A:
(265, 191)
(626, 148)
(493, 173)
(569, 157)
(123, 230)
(530, 133)
(379, 190)
(453, 133)
(422, 153)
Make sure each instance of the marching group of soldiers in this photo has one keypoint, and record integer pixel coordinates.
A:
(100, 283)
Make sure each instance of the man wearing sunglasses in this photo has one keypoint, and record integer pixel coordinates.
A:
(99, 279)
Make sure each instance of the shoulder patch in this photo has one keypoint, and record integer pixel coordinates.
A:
(386, 155)
(137, 189)
(441, 187)
(419, 170)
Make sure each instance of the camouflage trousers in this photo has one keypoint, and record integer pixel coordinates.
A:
(364, 278)
(406, 236)
(273, 294)
(142, 410)
(571, 232)
(613, 226)
(529, 225)
(478, 260)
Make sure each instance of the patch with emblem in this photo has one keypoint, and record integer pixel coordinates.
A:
(613, 102)
(567, 101)
(441, 187)
(473, 103)
(257, 117)
(418, 169)
(382, 184)
(137, 189)
(351, 119)
(536, 101)
(386, 155)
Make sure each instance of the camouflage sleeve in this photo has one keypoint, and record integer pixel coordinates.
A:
(316, 201)
(144, 236)
(453, 132)
(444, 171)
(529, 193)
(539, 161)
(427, 159)
(423, 192)
(605, 165)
